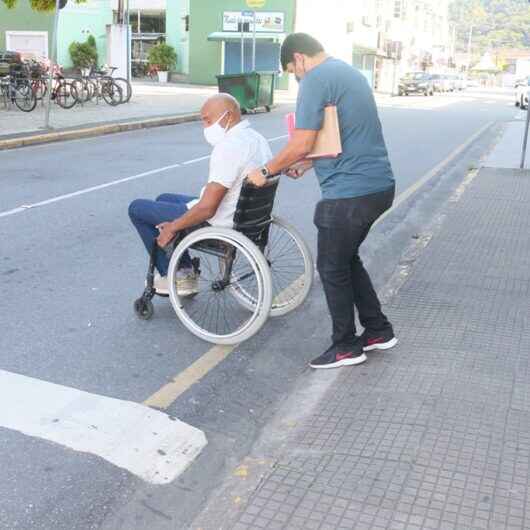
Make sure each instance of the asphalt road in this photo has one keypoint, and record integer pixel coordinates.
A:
(71, 267)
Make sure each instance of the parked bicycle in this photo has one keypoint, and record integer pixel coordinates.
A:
(16, 89)
(123, 83)
(101, 84)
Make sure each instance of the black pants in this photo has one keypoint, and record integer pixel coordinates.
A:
(343, 225)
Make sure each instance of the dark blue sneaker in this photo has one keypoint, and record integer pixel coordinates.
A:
(379, 340)
(338, 356)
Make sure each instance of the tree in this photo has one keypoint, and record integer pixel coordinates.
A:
(39, 5)
(496, 23)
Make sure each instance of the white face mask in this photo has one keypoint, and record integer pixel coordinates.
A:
(215, 133)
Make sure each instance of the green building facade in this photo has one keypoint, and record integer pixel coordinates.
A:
(30, 32)
(77, 22)
(24, 27)
(206, 35)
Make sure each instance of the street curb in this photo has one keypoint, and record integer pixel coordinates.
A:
(99, 130)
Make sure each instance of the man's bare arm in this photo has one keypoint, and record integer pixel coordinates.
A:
(205, 209)
(300, 145)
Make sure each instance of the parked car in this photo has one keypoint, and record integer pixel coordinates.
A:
(438, 83)
(452, 83)
(416, 83)
(522, 86)
(457, 81)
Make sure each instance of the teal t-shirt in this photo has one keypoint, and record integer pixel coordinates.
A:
(363, 167)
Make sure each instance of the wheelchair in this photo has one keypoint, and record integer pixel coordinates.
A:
(260, 268)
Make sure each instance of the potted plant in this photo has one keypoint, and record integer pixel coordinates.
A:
(164, 58)
(84, 54)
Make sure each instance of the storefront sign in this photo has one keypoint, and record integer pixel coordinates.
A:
(267, 22)
(256, 4)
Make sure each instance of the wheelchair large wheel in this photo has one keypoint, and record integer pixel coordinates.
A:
(228, 261)
(291, 266)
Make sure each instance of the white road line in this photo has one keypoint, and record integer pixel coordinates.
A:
(87, 190)
(59, 198)
(164, 397)
(188, 162)
(146, 442)
(11, 212)
(278, 138)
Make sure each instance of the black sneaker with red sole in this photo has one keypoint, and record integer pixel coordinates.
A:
(338, 356)
(383, 340)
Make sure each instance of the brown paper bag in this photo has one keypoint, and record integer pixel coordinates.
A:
(329, 142)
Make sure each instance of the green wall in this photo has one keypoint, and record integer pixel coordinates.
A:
(175, 31)
(206, 18)
(23, 18)
(77, 21)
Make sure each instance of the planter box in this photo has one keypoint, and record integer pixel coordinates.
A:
(162, 77)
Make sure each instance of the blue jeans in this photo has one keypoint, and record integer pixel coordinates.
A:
(145, 215)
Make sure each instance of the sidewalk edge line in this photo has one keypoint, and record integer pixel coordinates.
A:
(99, 130)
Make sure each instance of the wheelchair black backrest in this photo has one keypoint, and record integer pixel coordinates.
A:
(254, 211)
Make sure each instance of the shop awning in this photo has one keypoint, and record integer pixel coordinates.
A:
(232, 36)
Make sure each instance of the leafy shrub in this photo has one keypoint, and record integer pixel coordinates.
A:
(163, 56)
(84, 54)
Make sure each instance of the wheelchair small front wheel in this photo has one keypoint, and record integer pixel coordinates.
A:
(144, 309)
(228, 261)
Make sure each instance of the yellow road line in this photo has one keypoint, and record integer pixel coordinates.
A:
(181, 382)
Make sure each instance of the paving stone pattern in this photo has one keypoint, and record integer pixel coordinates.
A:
(435, 434)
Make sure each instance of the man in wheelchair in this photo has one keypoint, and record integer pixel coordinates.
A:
(237, 149)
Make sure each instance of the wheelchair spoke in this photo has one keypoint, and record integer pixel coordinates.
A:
(214, 310)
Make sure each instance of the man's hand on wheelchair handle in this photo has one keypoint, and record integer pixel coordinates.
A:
(298, 170)
(256, 178)
(167, 233)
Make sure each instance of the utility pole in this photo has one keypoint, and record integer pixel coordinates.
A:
(453, 44)
(120, 12)
(469, 48)
(52, 62)
(128, 22)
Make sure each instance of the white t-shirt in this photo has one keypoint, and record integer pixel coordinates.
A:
(241, 150)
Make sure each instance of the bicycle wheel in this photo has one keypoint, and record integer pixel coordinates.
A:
(92, 89)
(40, 89)
(212, 314)
(112, 93)
(81, 90)
(125, 87)
(291, 267)
(24, 97)
(66, 95)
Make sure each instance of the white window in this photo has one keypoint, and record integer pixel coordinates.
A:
(30, 44)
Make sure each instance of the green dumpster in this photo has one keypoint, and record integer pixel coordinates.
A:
(252, 89)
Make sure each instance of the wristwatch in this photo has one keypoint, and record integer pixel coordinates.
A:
(265, 172)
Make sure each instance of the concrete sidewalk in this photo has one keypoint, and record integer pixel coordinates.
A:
(150, 100)
(434, 434)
